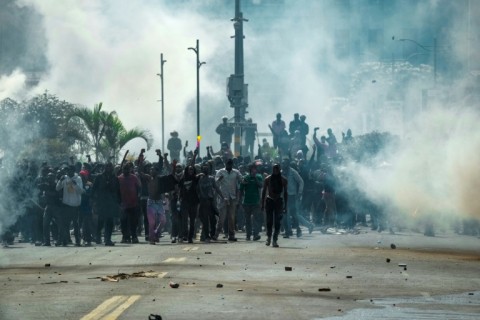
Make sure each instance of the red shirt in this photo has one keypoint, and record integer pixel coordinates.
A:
(129, 189)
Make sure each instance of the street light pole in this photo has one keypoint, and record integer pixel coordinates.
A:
(199, 64)
(435, 62)
(428, 49)
(162, 99)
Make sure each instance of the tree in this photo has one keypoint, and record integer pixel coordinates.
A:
(117, 136)
(95, 122)
(39, 129)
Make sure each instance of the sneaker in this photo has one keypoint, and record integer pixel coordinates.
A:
(275, 244)
(286, 236)
(248, 238)
(256, 238)
(310, 229)
(174, 240)
(267, 243)
(232, 239)
(299, 233)
(88, 244)
(109, 244)
(152, 243)
(47, 244)
(190, 240)
(126, 240)
(135, 240)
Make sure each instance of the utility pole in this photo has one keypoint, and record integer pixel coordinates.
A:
(199, 64)
(162, 100)
(237, 90)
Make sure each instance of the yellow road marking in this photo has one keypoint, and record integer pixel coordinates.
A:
(104, 307)
(175, 259)
(190, 249)
(121, 308)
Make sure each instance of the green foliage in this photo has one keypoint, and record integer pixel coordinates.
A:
(367, 147)
(46, 128)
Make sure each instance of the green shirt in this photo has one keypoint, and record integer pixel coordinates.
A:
(250, 186)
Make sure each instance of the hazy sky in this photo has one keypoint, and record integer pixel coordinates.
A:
(109, 51)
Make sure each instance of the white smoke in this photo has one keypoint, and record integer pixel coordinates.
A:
(109, 51)
(13, 85)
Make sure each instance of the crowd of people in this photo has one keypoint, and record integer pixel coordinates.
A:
(277, 191)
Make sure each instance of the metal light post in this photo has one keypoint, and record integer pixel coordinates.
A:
(199, 64)
(428, 49)
(162, 100)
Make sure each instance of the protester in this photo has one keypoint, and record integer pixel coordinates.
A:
(274, 202)
(130, 188)
(250, 189)
(277, 127)
(106, 203)
(72, 187)
(228, 180)
(174, 145)
(206, 189)
(225, 132)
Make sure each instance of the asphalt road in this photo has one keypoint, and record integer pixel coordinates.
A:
(338, 276)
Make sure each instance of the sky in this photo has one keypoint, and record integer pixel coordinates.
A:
(109, 51)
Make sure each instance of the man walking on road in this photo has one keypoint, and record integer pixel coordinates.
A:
(273, 187)
(228, 180)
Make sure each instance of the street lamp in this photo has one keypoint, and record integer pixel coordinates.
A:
(199, 64)
(162, 100)
(428, 49)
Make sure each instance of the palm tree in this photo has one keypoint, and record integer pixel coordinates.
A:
(95, 122)
(117, 136)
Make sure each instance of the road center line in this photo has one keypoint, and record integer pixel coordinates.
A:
(175, 259)
(121, 308)
(103, 308)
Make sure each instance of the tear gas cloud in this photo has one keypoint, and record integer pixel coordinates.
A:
(109, 51)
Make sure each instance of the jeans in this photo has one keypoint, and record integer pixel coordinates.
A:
(68, 216)
(207, 212)
(156, 219)
(253, 224)
(273, 212)
(227, 211)
(129, 222)
(291, 218)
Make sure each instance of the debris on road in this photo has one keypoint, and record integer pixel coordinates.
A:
(393, 246)
(53, 282)
(349, 277)
(173, 285)
(124, 276)
(47, 264)
(288, 268)
(324, 289)
(388, 260)
(219, 285)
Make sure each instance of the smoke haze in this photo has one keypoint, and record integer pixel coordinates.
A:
(297, 59)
